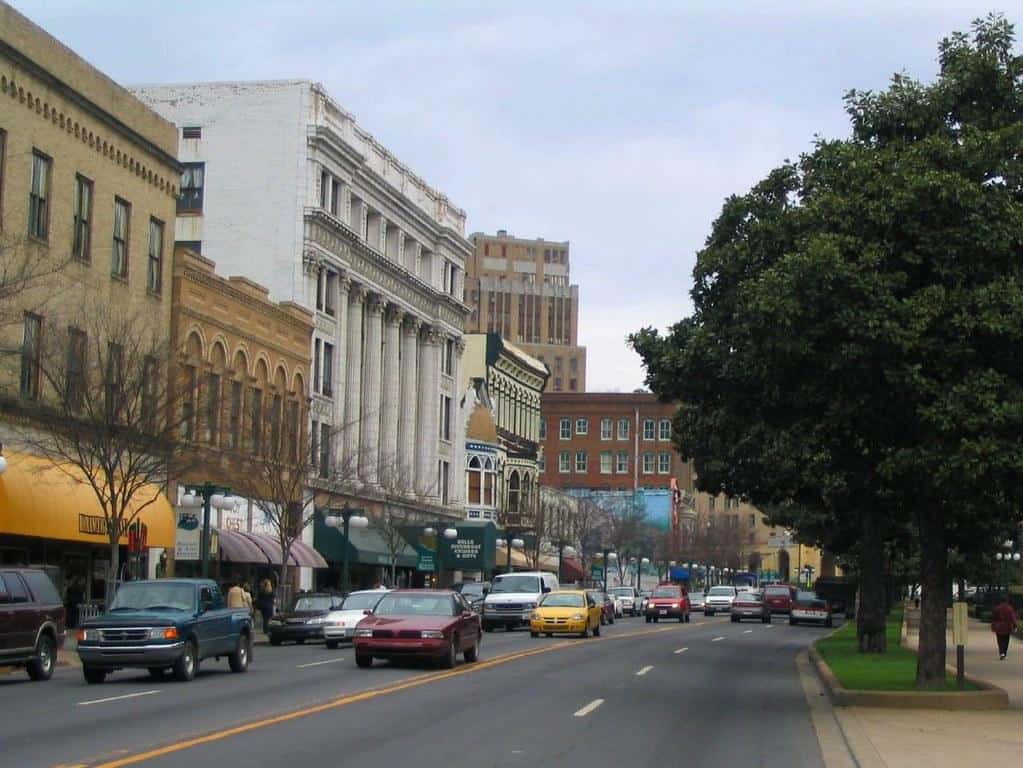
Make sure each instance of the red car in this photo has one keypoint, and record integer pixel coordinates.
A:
(778, 597)
(433, 624)
(668, 601)
(607, 605)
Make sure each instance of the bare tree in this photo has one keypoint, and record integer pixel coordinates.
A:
(26, 267)
(105, 413)
(400, 497)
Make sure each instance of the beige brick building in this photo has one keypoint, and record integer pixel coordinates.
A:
(521, 289)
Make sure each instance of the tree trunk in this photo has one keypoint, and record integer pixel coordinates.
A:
(870, 615)
(282, 584)
(930, 663)
(114, 567)
(394, 574)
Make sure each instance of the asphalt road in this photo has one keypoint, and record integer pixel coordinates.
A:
(707, 693)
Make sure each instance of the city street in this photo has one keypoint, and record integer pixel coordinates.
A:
(711, 692)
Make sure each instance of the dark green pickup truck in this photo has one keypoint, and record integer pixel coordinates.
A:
(165, 624)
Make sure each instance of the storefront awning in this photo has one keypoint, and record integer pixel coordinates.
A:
(41, 500)
(301, 553)
(235, 547)
(572, 570)
(366, 546)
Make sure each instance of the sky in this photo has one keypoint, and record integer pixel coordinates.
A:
(618, 126)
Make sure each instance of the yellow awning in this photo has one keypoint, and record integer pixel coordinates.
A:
(518, 559)
(38, 499)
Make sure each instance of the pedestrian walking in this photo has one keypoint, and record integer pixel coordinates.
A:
(1003, 622)
(265, 601)
(247, 596)
(235, 596)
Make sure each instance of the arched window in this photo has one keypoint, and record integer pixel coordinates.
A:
(490, 483)
(513, 493)
(475, 494)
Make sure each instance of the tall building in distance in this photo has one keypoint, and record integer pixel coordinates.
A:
(522, 290)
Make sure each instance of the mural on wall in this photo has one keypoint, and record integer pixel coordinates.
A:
(651, 505)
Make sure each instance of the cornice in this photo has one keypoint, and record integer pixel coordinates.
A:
(224, 287)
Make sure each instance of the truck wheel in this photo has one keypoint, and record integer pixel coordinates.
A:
(41, 667)
(187, 664)
(331, 644)
(239, 660)
(94, 676)
(471, 654)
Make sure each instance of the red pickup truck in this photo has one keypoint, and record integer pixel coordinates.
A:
(668, 601)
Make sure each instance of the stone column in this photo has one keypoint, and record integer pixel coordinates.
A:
(391, 375)
(353, 382)
(457, 493)
(429, 413)
(369, 453)
(340, 364)
(407, 416)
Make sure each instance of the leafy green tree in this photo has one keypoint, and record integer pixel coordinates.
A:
(854, 355)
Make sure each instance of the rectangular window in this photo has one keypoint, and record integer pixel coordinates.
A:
(314, 446)
(324, 450)
(119, 254)
(317, 364)
(212, 408)
(256, 421)
(606, 462)
(31, 351)
(115, 394)
(623, 429)
(649, 429)
(564, 462)
(664, 432)
(447, 357)
(320, 280)
(445, 417)
(39, 197)
(328, 370)
(188, 403)
(191, 132)
(76, 367)
(582, 426)
(234, 436)
(193, 178)
(335, 197)
(443, 481)
(664, 462)
(573, 385)
(566, 429)
(154, 275)
(557, 384)
(580, 461)
(291, 431)
(81, 236)
(324, 189)
(648, 463)
(276, 414)
(622, 464)
(330, 295)
(543, 429)
(541, 464)
(606, 429)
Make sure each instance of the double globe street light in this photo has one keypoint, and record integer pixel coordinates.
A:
(516, 543)
(448, 533)
(345, 519)
(207, 496)
(1006, 558)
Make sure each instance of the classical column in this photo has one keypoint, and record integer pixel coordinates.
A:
(369, 453)
(407, 417)
(353, 382)
(391, 473)
(457, 494)
(340, 364)
(429, 413)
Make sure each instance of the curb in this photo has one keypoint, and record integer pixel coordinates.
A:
(990, 697)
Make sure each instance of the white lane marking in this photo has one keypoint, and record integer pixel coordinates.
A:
(117, 698)
(643, 671)
(747, 632)
(717, 639)
(318, 663)
(589, 708)
(769, 626)
(681, 650)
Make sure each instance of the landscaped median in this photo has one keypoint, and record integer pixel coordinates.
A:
(856, 679)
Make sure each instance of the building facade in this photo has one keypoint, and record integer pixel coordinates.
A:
(282, 184)
(521, 290)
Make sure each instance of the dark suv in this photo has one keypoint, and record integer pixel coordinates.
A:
(31, 621)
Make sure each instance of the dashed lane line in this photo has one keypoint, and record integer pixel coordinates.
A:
(118, 698)
(318, 663)
(747, 631)
(589, 708)
(717, 639)
(644, 671)
(681, 650)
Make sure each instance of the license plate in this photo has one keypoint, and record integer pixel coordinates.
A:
(664, 612)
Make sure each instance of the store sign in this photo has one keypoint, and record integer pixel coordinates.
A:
(466, 551)
(189, 532)
(96, 525)
(596, 572)
(426, 562)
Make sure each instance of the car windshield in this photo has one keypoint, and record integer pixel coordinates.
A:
(623, 591)
(414, 605)
(777, 591)
(806, 597)
(141, 596)
(313, 603)
(597, 597)
(718, 591)
(472, 590)
(517, 584)
(666, 592)
(360, 601)
(556, 600)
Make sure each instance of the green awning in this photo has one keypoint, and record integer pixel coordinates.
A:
(367, 546)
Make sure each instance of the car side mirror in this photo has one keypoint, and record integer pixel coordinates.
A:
(545, 589)
(367, 612)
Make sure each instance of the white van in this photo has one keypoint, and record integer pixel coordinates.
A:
(513, 596)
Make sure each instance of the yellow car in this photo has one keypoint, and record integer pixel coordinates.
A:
(566, 611)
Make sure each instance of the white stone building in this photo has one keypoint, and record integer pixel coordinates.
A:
(281, 185)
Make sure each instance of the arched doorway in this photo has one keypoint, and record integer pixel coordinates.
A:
(783, 565)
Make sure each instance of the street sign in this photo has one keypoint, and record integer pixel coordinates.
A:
(596, 573)
(959, 624)
(779, 540)
(426, 562)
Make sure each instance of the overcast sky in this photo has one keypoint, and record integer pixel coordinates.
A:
(620, 126)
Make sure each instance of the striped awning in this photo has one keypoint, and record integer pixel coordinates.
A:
(262, 549)
(236, 547)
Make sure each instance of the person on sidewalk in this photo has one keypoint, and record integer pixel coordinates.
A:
(235, 596)
(1003, 622)
(265, 601)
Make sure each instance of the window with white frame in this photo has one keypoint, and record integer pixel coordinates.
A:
(648, 462)
(606, 428)
(606, 462)
(622, 463)
(566, 429)
(582, 426)
(623, 429)
(649, 429)
(564, 462)
(445, 417)
(664, 462)
(541, 464)
(664, 430)
(543, 429)
(580, 461)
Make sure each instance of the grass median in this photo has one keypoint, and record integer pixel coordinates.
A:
(891, 671)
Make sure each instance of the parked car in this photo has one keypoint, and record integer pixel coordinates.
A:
(644, 597)
(513, 596)
(474, 592)
(165, 624)
(305, 619)
(31, 621)
(339, 625)
(697, 600)
(840, 592)
(668, 601)
(566, 612)
(719, 598)
(778, 597)
(607, 605)
(808, 607)
(750, 605)
(432, 624)
(629, 597)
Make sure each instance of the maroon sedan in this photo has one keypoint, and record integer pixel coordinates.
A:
(431, 624)
(778, 597)
(607, 605)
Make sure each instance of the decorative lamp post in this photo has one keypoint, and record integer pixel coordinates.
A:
(345, 519)
(207, 495)
(608, 557)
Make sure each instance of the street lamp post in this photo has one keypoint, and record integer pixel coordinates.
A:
(345, 518)
(207, 495)
(607, 557)
(1006, 558)
(448, 533)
